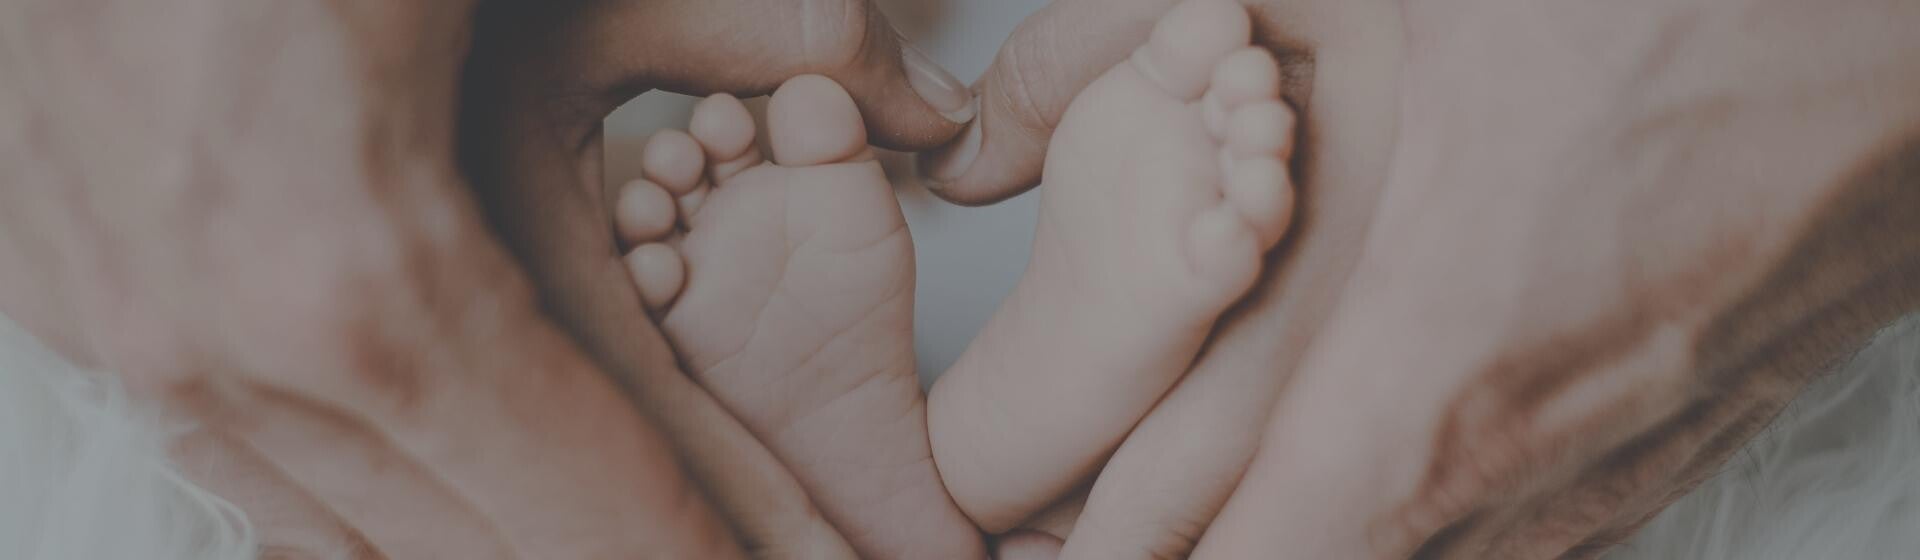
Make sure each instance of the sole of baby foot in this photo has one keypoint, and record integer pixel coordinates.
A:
(1165, 185)
(786, 288)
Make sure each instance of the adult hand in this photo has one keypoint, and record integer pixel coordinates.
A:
(1171, 482)
(540, 81)
(1615, 241)
(300, 262)
(254, 208)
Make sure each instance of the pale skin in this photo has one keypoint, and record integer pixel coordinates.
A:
(1164, 186)
(260, 212)
(1821, 172)
(1612, 241)
(785, 285)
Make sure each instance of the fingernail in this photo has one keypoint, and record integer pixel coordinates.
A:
(949, 162)
(937, 86)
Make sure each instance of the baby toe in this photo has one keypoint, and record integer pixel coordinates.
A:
(1248, 75)
(658, 272)
(724, 128)
(1261, 129)
(643, 212)
(1261, 191)
(1189, 41)
(674, 160)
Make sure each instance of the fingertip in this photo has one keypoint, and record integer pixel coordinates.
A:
(937, 86)
(909, 100)
(999, 155)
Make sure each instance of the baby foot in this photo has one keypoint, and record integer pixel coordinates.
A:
(790, 298)
(1164, 187)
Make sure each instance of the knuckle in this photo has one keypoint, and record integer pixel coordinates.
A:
(1023, 69)
(836, 33)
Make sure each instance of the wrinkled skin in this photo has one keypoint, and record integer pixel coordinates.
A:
(1557, 262)
(1599, 266)
(329, 277)
(364, 241)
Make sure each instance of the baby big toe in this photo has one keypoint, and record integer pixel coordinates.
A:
(1189, 41)
(813, 121)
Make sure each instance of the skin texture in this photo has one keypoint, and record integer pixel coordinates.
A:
(355, 394)
(1163, 188)
(366, 278)
(403, 316)
(1605, 337)
(1559, 321)
(1339, 62)
(796, 308)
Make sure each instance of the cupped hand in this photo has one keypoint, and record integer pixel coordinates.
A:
(1586, 282)
(268, 214)
(1615, 241)
(255, 211)
(540, 81)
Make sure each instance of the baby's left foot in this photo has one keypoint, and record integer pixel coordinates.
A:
(1165, 186)
(790, 298)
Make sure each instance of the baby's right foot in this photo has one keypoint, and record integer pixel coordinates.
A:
(1164, 187)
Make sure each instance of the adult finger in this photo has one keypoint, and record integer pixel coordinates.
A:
(1420, 408)
(428, 369)
(421, 396)
(1045, 63)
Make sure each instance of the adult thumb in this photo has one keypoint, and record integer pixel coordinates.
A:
(1049, 58)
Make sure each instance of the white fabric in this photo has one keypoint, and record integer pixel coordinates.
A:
(84, 475)
(1837, 477)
